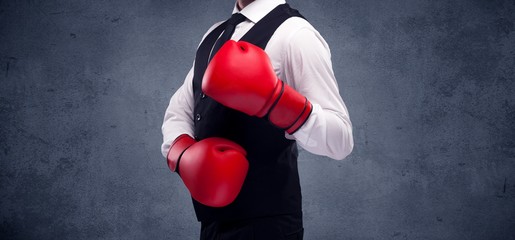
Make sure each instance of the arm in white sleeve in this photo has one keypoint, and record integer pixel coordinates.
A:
(308, 69)
(178, 117)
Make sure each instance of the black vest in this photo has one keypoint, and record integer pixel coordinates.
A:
(272, 183)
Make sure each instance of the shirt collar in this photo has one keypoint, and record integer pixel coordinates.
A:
(258, 9)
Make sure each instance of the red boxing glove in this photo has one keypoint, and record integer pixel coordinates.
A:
(213, 169)
(240, 76)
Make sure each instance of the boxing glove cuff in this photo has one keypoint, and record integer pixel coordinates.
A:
(291, 110)
(179, 145)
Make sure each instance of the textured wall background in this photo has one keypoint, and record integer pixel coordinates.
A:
(429, 85)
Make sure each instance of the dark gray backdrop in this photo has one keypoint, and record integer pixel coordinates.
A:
(429, 86)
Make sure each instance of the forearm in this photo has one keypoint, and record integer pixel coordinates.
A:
(326, 132)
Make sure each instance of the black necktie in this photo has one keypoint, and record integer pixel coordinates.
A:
(235, 19)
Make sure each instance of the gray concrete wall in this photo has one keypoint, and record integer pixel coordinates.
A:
(429, 86)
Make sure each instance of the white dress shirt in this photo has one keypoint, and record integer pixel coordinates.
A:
(302, 59)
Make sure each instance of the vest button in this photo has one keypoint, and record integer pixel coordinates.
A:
(198, 117)
(203, 95)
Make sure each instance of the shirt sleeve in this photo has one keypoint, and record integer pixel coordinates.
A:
(178, 117)
(308, 69)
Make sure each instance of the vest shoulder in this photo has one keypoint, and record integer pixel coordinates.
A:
(210, 30)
